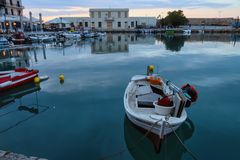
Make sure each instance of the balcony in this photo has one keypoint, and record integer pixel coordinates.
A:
(14, 6)
(109, 18)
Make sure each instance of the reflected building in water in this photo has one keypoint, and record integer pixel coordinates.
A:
(12, 59)
(110, 44)
(119, 43)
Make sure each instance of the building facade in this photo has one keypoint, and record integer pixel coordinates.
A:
(211, 21)
(110, 19)
(10, 14)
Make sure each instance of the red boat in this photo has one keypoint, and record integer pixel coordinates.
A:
(15, 78)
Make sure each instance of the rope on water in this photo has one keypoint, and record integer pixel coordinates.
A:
(184, 146)
(135, 145)
(24, 120)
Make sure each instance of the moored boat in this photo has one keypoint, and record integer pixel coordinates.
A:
(42, 38)
(187, 31)
(15, 78)
(157, 105)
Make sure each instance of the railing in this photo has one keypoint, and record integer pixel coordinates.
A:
(13, 5)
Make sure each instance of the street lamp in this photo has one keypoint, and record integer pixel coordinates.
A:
(61, 23)
(14, 25)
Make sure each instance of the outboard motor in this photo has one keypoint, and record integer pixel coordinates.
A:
(192, 92)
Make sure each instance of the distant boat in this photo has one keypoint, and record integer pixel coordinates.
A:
(187, 31)
(18, 38)
(156, 105)
(101, 34)
(15, 78)
(42, 38)
(88, 34)
(72, 35)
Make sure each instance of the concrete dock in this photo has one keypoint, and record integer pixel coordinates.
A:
(7, 155)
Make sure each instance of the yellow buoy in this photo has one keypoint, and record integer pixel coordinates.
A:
(61, 77)
(151, 68)
(36, 80)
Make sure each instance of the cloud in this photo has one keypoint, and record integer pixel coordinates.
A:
(56, 8)
(132, 3)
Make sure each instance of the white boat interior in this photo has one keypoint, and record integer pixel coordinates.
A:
(139, 99)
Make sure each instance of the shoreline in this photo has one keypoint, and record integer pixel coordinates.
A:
(176, 30)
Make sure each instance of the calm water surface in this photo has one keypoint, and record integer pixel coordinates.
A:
(84, 118)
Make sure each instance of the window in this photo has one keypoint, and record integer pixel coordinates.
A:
(119, 38)
(86, 24)
(99, 24)
(119, 14)
(99, 14)
(126, 14)
(11, 2)
(6, 10)
(19, 12)
(132, 24)
(12, 12)
(109, 14)
(119, 24)
(92, 14)
(18, 3)
(93, 24)
(80, 24)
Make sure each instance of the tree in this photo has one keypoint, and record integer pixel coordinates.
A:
(175, 18)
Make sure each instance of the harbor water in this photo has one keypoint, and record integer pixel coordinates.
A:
(84, 117)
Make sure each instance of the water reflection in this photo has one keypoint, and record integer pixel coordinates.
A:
(12, 59)
(18, 94)
(114, 43)
(111, 43)
(171, 148)
(173, 43)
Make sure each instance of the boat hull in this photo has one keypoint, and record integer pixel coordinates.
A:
(155, 129)
(16, 81)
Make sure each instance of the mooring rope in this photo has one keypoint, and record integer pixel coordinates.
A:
(184, 146)
(135, 145)
(26, 119)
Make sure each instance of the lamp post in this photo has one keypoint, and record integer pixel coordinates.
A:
(40, 19)
(31, 23)
(14, 26)
(61, 25)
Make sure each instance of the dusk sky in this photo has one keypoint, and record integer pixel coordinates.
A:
(192, 8)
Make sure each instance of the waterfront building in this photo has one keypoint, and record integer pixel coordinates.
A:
(211, 21)
(11, 14)
(109, 19)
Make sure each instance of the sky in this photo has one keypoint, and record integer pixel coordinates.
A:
(191, 8)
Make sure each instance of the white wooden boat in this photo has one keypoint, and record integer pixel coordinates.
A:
(142, 108)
